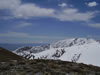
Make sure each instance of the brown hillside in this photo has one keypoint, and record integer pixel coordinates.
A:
(6, 56)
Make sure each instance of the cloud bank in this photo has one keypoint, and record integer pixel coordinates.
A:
(21, 37)
(72, 14)
(10, 4)
(29, 10)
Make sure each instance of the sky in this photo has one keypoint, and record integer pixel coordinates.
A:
(46, 21)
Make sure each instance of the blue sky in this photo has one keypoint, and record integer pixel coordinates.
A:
(35, 21)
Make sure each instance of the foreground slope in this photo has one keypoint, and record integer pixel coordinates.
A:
(84, 50)
(6, 56)
(47, 67)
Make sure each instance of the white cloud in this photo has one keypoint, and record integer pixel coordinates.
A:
(97, 25)
(67, 14)
(25, 10)
(31, 10)
(62, 5)
(92, 4)
(72, 14)
(9, 4)
(14, 34)
(25, 35)
(23, 24)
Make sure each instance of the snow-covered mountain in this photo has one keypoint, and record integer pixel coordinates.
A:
(84, 50)
(34, 49)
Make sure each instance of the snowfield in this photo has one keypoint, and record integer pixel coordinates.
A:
(82, 50)
(90, 53)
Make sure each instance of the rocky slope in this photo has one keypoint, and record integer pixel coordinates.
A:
(47, 67)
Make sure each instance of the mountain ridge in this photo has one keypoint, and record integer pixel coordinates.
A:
(76, 49)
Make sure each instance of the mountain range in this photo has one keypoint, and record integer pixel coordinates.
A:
(81, 50)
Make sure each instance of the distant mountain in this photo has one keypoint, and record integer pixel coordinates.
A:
(6, 56)
(27, 51)
(34, 49)
(84, 50)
